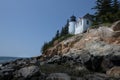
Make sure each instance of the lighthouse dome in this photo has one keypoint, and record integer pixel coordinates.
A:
(72, 18)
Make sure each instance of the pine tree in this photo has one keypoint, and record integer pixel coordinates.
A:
(103, 7)
(103, 10)
(57, 34)
(63, 33)
(116, 6)
(64, 30)
(66, 27)
(44, 47)
(116, 10)
(107, 11)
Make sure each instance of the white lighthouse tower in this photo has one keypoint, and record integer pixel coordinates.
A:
(72, 24)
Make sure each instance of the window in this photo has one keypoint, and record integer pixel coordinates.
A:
(87, 22)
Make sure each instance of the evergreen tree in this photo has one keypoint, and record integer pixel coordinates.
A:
(44, 47)
(63, 33)
(116, 10)
(103, 8)
(57, 34)
(116, 6)
(66, 27)
(64, 30)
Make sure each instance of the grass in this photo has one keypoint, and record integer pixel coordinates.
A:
(103, 24)
(106, 24)
(65, 37)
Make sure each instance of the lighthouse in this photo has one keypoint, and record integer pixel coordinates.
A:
(81, 25)
(72, 24)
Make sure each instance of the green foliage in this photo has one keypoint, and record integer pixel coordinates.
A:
(44, 47)
(116, 6)
(107, 11)
(103, 7)
(59, 36)
(104, 24)
(64, 37)
(64, 30)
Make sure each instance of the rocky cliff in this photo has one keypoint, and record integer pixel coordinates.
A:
(98, 50)
(93, 55)
(99, 39)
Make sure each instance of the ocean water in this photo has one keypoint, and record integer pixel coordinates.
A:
(7, 59)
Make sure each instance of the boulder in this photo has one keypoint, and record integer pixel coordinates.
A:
(7, 70)
(0, 65)
(105, 32)
(6, 74)
(33, 60)
(116, 26)
(78, 55)
(115, 60)
(111, 60)
(54, 59)
(28, 72)
(114, 72)
(96, 76)
(116, 34)
(99, 48)
(106, 64)
(58, 76)
(1, 74)
(85, 56)
(94, 63)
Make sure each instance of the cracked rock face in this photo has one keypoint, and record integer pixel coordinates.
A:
(58, 76)
(114, 72)
(28, 71)
(101, 48)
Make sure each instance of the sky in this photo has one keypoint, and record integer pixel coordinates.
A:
(26, 24)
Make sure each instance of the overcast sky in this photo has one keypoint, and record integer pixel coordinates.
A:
(26, 24)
